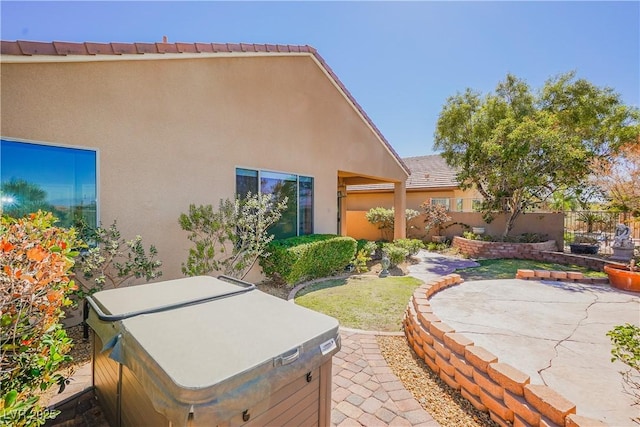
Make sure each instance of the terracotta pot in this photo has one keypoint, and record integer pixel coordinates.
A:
(621, 278)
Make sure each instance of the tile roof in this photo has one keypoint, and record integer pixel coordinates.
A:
(427, 172)
(56, 48)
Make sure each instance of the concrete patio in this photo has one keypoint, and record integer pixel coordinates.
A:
(554, 332)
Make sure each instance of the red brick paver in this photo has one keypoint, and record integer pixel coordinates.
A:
(366, 392)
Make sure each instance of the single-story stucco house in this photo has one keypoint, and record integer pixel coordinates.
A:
(136, 132)
(432, 181)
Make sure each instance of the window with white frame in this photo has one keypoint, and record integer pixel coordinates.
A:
(444, 201)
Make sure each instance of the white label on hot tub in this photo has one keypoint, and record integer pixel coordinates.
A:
(328, 346)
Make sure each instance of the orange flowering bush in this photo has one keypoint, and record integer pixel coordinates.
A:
(36, 259)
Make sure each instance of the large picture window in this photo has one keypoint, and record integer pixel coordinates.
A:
(297, 219)
(60, 180)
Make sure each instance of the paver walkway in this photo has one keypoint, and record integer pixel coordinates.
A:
(365, 390)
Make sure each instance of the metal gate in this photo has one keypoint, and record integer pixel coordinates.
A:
(599, 225)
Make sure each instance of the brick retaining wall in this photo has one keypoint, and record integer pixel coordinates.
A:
(544, 251)
(491, 386)
(493, 250)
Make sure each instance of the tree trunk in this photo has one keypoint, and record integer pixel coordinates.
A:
(512, 215)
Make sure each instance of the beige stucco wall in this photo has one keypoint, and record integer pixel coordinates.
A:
(366, 200)
(172, 132)
(549, 224)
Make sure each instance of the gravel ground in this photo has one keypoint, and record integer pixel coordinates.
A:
(446, 405)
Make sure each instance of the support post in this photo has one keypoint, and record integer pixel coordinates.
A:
(400, 206)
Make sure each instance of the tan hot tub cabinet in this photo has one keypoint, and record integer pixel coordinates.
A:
(204, 351)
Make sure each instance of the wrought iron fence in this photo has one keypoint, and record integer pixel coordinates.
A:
(599, 225)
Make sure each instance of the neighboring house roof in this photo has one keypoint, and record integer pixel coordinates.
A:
(110, 51)
(427, 172)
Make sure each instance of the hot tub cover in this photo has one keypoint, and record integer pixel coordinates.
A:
(217, 354)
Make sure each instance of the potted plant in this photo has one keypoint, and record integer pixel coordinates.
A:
(584, 245)
(625, 277)
(436, 216)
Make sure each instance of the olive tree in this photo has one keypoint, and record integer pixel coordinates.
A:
(230, 240)
(385, 219)
(517, 146)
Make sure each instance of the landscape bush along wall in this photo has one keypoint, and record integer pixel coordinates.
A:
(550, 224)
(497, 388)
(545, 251)
(308, 257)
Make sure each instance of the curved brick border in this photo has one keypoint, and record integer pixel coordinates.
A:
(498, 388)
(560, 276)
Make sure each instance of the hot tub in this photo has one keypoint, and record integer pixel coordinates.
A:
(210, 351)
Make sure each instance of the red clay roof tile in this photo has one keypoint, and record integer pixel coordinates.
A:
(124, 48)
(64, 48)
(99, 48)
(219, 47)
(204, 48)
(187, 47)
(21, 47)
(146, 48)
(166, 48)
(37, 48)
(10, 48)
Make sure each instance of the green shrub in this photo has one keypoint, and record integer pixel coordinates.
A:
(470, 235)
(437, 247)
(626, 348)
(411, 245)
(396, 254)
(364, 251)
(385, 219)
(108, 260)
(307, 257)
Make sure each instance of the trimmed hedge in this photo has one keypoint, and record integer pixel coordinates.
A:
(307, 257)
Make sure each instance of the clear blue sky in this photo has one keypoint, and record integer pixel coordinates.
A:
(401, 60)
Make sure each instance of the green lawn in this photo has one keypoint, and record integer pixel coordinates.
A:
(378, 304)
(507, 268)
(362, 302)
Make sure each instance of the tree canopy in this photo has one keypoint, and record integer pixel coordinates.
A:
(517, 146)
(619, 179)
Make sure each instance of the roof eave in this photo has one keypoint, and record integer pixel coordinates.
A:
(21, 51)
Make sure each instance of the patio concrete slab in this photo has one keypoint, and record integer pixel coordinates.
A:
(553, 331)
